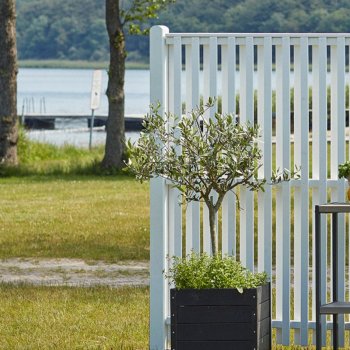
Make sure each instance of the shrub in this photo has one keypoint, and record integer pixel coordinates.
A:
(200, 271)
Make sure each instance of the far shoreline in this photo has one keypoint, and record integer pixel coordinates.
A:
(66, 64)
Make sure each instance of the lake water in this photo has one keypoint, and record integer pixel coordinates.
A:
(67, 91)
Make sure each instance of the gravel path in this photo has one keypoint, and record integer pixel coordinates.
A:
(73, 272)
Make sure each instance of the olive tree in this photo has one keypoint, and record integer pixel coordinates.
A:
(199, 156)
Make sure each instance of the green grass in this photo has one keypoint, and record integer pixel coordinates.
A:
(87, 217)
(69, 318)
(58, 203)
(78, 64)
(37, 158)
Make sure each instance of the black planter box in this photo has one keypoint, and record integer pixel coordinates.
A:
(221, 319)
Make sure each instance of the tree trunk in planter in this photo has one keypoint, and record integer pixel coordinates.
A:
(221, 319)
(8, 83)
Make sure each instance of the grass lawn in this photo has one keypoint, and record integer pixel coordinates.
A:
(73, 318)
(87, 217)
(59, 204)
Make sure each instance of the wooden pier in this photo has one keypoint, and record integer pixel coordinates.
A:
(47, 121)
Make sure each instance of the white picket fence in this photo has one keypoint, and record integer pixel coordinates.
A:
(185, 67)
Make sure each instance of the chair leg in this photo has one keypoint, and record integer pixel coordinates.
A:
(335, 332)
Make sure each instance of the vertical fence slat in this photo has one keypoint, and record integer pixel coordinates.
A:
(210, 57)
(347, 158)
(338, 156)
(301, 194)
(246, 114)
(175, 107)
(159, 292)
(213, 92)
(213, 71)
(228, 73)
(192, 101)
(265, 122)
(319, 161)
(229, 224)
(283, 190)
(228, 64)
(206, 94)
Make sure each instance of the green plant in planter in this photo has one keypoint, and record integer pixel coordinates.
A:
(344, 172)
(218, 304)
(200, 157)
(201, 271)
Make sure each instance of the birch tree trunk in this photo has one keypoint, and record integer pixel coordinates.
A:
(8, 83)
(114, 148)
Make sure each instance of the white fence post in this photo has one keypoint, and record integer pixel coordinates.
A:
(175, 107)
(301, 193)
(246, 114)
(319, 162)
(193, 241)
(228, 95)
(159, 299)
(338, 156)
(265, 122)
(210, 72)
(283, 190)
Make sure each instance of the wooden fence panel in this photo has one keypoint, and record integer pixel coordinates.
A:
(264, 65)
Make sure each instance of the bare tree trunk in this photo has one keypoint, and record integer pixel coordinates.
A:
(212, 225)
(8, 83)
(114, 148)
(213, 210)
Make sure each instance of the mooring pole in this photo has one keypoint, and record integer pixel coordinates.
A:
(95, 99)
(91, 127)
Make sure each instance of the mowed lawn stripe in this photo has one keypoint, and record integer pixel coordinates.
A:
(69, 318)
(87, 217)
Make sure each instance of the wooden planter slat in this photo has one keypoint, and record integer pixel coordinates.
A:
(227, 296)
(215, 345)
(215, 331)
(214, 314)
(263, 327)
(265, 342)
(263, 310)
(214, 319)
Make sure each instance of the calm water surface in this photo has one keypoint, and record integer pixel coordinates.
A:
(67, 92)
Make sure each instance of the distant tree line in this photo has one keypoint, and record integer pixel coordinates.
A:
(65, 29)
